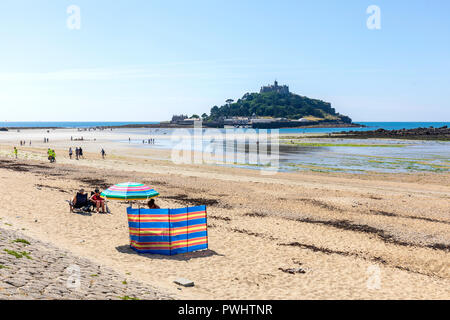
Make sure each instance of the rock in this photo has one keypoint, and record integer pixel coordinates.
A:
(184, 282)
(292, 270)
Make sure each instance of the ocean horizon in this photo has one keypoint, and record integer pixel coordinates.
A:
(373, 125)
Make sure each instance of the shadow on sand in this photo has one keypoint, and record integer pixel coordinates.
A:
(180, 257)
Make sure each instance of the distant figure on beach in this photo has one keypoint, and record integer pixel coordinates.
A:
(152, 205)
(15, 152)
(103, 153)
(129, 140)
(70, 153)
(30, 142)
(80, 153)
(77, 153)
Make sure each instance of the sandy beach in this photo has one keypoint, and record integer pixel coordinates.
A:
(346, 236)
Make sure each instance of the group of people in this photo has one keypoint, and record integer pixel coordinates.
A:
(51, 155)
(22, 143)
(81, 200)
(149, 141)
(78, 153)
(45, 140)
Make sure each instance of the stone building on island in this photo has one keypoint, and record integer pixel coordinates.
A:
(275, 88)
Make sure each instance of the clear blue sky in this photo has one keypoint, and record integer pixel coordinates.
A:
(146, 60)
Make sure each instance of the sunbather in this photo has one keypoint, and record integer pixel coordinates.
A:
(98, 201)
(152, 205)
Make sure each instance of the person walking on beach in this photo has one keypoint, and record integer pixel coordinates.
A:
(15, 152)
(103, 153)
(80, 151)
(77, 153)
(70, 153)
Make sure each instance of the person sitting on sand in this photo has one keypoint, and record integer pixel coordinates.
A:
(98, 201)
(152, 205)
(79, 201)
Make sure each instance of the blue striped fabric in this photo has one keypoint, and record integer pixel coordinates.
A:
(168, 231)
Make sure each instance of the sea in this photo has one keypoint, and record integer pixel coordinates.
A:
(369, 125)
(65, 124)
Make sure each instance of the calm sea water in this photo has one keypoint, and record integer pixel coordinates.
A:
(370, 125)
(66, 124)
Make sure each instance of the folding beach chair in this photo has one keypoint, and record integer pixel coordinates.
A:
(83, 204)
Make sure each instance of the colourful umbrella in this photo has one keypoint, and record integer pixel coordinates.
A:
(129, 191)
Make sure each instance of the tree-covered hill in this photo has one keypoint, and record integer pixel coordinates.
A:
(277, 105)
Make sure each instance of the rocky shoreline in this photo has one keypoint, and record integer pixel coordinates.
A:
(431, 133)
(33, 270)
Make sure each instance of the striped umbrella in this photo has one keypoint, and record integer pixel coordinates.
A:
(129, 191)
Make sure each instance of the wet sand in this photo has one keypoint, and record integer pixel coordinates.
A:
(300, 235)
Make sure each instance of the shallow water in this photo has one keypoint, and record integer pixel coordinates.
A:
(325, 154)
(349, 155)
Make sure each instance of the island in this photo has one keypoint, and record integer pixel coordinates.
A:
(273, 107)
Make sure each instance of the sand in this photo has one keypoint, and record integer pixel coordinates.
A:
(367, 236)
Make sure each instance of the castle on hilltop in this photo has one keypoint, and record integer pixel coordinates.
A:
(275, 88)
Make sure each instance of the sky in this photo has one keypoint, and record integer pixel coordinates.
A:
(145, 60)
